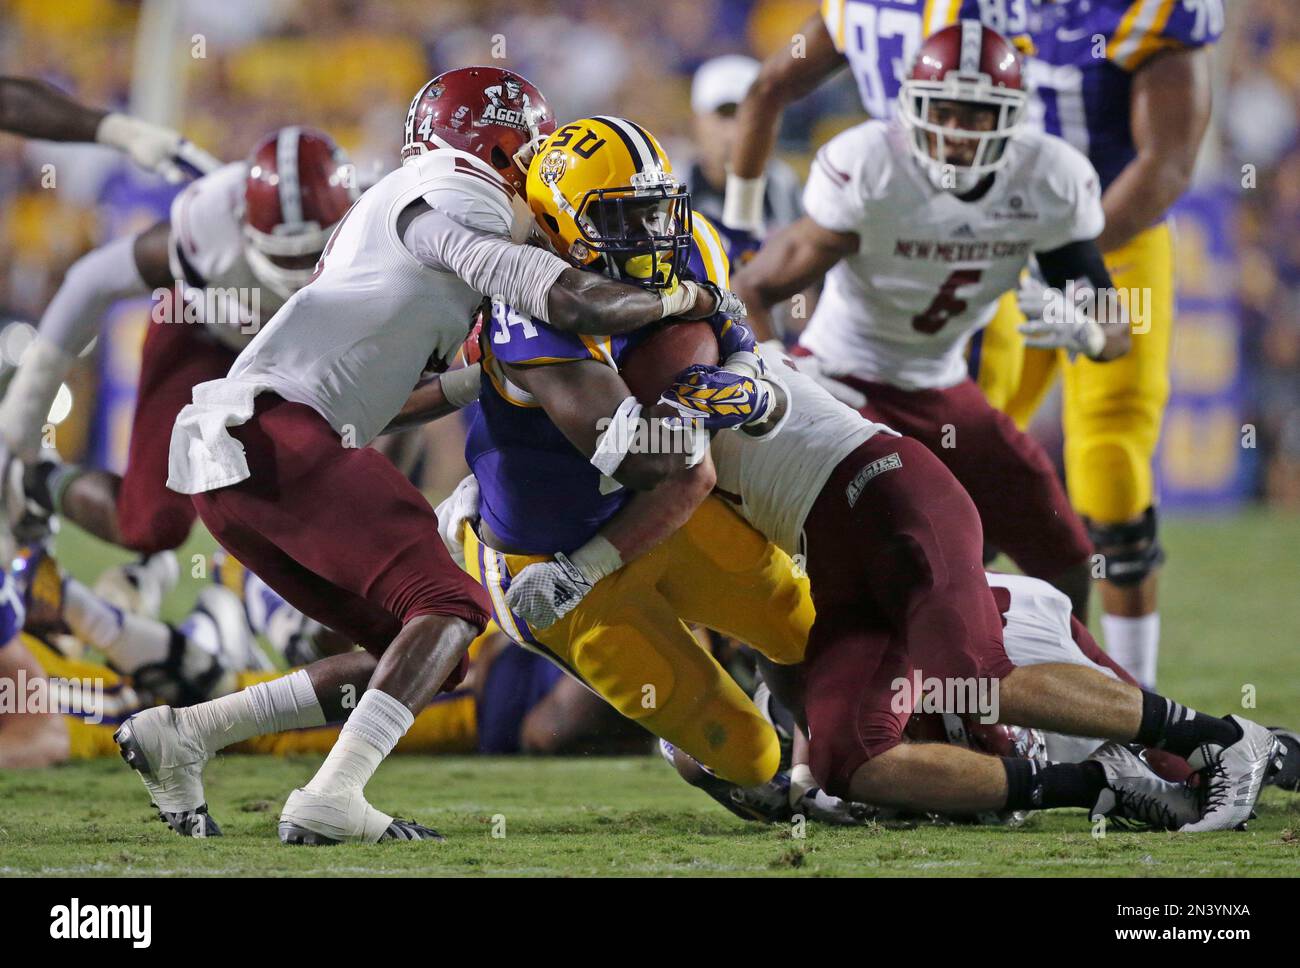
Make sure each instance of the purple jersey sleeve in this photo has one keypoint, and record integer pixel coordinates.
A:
(515, 337)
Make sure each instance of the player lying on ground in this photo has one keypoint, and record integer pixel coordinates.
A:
(239, 242)
(918, 227)
(511, 701)
(35, 109)
(274, 455)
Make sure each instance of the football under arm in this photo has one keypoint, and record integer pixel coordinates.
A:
(1081, 263)
(1169, 112)
(585, 399)
(782, 79)
(28, 740)
(67, 327)
(790, 261)
(35, 109)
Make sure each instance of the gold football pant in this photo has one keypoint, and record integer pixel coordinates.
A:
(1112, 411)
(629, 642)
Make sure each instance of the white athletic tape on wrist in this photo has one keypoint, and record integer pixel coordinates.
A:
(742, 206)
(801, 781)
(116, 130)
(680, 299)
(461, 386)
(612, 445)
(597, 559)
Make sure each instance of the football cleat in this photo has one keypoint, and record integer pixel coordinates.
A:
(170, 765)
(1232, 776)
(1136, 797)
(139, 587)
(324, 819)
(1286, 764)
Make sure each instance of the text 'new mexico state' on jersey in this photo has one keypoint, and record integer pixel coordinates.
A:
(538, 494)
(1084, 53)
(931, 267)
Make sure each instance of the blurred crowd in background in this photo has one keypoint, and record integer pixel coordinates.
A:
(351, 67)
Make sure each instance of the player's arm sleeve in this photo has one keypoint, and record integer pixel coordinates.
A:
(95, 281)
(1080, 262)
(72, 319)
(1150, 27)
(487, 261)
(835, 196)
(1076, 196)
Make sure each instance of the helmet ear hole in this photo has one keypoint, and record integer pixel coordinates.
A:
(551, 222)
(499, 160)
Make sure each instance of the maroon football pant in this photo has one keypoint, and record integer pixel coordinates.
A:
(1021, 502)
(895, 561)
(174, 359)
(338, 531)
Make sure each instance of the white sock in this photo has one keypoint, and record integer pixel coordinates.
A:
(267, 707)
(1134, 643)
(369, 735)
(129, 641)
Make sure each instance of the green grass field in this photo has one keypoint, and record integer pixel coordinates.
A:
(1231, 629)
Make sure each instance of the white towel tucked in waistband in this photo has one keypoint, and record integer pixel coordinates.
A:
(203, 455)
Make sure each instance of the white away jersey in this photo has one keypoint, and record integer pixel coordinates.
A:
(353, 342)
(207, 258)
(931, 267)
(773, 483)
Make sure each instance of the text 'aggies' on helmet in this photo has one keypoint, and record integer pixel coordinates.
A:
(602, 189)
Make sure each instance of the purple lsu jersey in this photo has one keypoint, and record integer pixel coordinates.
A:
(1083, 55)
(537, 492)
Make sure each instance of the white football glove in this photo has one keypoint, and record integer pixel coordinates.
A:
(461, 506)
(156, 148)
(546, 591)
(1055, 322)
(812, 366)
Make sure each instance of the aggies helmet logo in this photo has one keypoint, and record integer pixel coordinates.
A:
(508, 103)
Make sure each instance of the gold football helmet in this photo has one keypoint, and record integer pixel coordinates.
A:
(603, 191)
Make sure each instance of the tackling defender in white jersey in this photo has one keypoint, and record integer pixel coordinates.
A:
(811, 490)
(274, 457)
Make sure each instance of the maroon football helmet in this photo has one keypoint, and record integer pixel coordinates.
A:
(299, 185)
(488, 111)
(965, 64)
